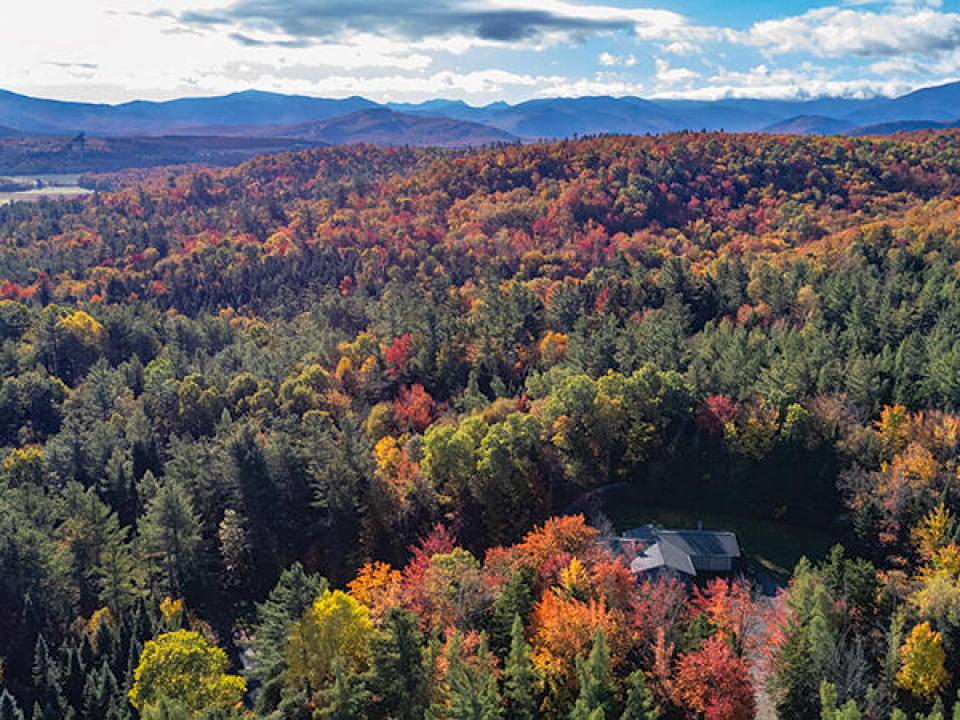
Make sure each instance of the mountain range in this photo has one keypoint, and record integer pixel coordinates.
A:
(256, 113)
(40, 135)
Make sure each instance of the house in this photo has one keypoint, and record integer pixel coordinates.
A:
(685, 554)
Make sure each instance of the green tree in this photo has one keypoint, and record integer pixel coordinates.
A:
(472, 689)
(640, 703)
(170, 538)
(520, 677)
(346, 699)
(295, 591)
(397, 675)
(596, 684)
(9, 710)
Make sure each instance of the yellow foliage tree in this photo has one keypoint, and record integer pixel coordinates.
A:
(934, 532)
(335, 626)
(575, 580)
(923, 662)
(184, 666)
(25, 466)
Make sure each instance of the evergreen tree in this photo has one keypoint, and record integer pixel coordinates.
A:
(48, 695)
(170, 536)
(9, 710)
(116, 570)
(519, 677)
(639, 704)
(397, 676)
(345, 699)
(73, 679)
(472, 690)
(596, 684)
(516, 598)
(294, 593)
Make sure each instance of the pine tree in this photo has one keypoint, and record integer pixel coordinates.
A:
(515, 598)
(472, 692)
(90, 707)
(116, 570)
(520, 677)
(295, 591)
(9, 710)
(48, 695)
(346, 699)
(397, 668)
(640, 704)
(170, 535)
(73, 679)
(596, 684)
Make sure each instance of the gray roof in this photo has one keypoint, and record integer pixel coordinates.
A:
(650, 548)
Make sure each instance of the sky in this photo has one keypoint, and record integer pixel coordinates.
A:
(479, 51)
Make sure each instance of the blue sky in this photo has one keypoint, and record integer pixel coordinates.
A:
(477, 50)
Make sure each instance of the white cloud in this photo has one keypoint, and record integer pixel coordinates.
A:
(670, 78)
(608, 60)
(804, 83)
(837, 32)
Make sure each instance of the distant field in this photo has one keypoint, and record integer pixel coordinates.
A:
(42, 186)
(772, 549)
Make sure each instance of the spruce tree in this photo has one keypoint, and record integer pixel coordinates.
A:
(397, 676)
(294, 592)
(640, 704)
(170, 535)
(472, 690)
(9, 710)
(346, 699)
(519, 677)
(596, 684)
(515, 598)
(73, 679)
(48, 694)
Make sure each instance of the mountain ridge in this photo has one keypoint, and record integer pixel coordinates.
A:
(248, 111)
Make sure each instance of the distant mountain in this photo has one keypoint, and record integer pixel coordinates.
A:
(565, 117)
(248, 108)
(243, 109)
(6, 132)
(381, 126)
(940, 104)
(254, 113)
(810, 125)
(889, 128)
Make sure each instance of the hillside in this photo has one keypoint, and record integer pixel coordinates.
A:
(810, 125)
(386, 127)
(301, 436)
(52, 154)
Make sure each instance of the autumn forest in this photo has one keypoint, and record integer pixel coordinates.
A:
(327, 434)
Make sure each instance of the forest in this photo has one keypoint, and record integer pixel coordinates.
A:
(297, 439)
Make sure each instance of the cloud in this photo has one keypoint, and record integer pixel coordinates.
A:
(836, 32)
(608, 60)
(325, 19)
(503, 22)
(669, 77)
(806, 82)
